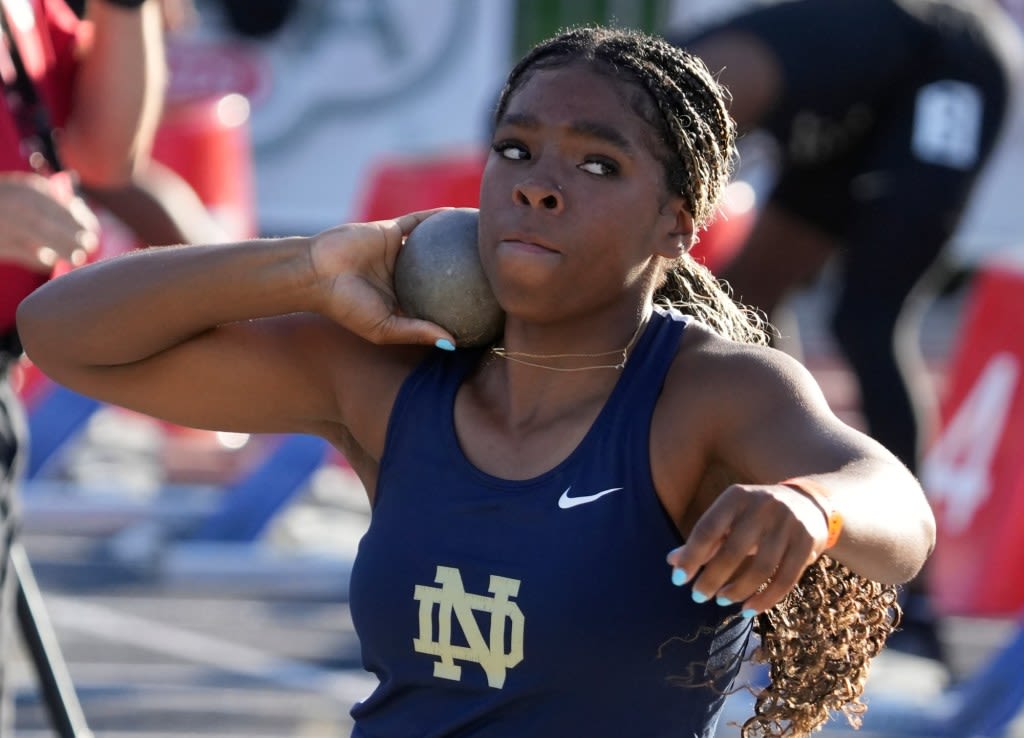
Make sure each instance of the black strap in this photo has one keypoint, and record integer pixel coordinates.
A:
(30, 113)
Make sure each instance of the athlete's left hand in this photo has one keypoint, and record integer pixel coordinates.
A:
(751, 546)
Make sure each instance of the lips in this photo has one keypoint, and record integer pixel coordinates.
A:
(529, 239)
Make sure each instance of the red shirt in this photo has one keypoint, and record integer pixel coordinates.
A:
(46, 33)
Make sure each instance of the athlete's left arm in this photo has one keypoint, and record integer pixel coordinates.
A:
(770, 423)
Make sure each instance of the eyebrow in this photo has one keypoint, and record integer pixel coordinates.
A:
(587, 128)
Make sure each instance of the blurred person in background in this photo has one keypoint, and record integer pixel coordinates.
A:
(257, 19)
(82, 100)
(157, 204)
(885, 113)
(177, 15)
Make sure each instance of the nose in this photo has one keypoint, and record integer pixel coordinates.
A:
(537, 194)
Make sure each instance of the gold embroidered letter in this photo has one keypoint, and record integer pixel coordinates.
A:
(451, 597)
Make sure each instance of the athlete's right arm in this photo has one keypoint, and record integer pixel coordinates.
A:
(259, 336)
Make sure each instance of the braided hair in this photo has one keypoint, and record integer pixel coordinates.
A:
(819, 641)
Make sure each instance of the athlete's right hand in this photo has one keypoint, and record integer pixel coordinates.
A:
(355, 266)
(39, 224)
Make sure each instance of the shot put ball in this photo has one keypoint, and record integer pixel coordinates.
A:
(438, 277)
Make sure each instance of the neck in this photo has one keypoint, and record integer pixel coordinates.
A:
(613, 359)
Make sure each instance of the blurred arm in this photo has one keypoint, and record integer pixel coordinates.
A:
(118, 94)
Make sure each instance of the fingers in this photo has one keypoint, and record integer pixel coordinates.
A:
(749, 575)
(44, 242)
(355, 264)
(409, 221)
(64, 236)
(368, 308)
(39, 245)
(37, 229)
(355, 247)
(749, 548)
(782, 581)
(396, 229)
(414, 331)
(84, 216)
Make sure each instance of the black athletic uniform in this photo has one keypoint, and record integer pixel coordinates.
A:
(887, 112)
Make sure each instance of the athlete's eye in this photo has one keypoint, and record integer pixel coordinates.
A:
(511, 150)
(600, 166)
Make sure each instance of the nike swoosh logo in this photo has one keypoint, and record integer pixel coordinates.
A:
(565, 501)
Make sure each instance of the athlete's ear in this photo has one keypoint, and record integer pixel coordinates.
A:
(676, 237)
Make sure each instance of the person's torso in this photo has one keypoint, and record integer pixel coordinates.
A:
(536, 607)
(845, 63)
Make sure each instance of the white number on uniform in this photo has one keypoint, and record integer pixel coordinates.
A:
(947, 124)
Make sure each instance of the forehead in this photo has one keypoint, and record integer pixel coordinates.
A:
(581, 98)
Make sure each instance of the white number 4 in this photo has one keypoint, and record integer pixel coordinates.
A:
(957, 470)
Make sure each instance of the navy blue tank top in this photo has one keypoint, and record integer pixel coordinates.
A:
(541, 607)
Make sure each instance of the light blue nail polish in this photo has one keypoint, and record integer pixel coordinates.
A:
(679, 577)
(699, 597)
(723, 601)
(444, 343)
(748, 613)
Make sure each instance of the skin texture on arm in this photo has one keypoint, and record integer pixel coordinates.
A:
(118, 94)
(237, 323)
(765, 420)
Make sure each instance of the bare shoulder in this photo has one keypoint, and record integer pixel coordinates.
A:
(718, 398)
(716, 374)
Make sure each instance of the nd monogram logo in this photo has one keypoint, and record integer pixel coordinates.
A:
(451, 597)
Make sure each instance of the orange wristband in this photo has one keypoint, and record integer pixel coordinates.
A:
(820, 495)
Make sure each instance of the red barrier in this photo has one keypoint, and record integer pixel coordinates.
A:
(974, 471)
(401, 185)
(206, 141)
(724, 238)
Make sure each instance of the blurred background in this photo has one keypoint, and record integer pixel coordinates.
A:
(197, 582)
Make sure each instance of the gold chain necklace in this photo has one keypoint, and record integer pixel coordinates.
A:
(522, 357)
